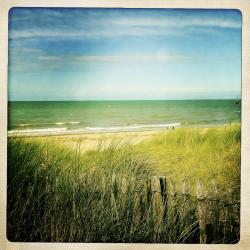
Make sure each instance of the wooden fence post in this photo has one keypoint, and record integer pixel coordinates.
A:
(201, 211)
(163, 188)
(163, 183)
(157, 201)
(114, 193)
(186, 199)
(172, 196)
(215, 211)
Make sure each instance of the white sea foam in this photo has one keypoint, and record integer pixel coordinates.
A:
(42, 130)
(74, 122)
(64, 130)
(132, 127)
(24, 124)
(64, 123)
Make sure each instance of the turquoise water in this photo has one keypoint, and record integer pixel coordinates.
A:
(95, 116)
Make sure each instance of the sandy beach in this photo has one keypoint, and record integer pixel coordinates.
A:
(90, 141)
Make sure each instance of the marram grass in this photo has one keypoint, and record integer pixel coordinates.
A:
(209, 154)
(60, 194)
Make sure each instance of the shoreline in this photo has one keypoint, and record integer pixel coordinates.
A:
(83, 132)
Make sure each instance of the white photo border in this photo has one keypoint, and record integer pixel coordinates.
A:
(241, 5)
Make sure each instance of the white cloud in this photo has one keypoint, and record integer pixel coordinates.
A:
(118, 58)
(90, 33)
(180, 22)
(123, 26)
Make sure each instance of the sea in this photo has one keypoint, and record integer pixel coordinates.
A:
(59, 117)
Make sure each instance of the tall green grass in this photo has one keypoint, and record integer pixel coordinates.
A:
(59, 194)
(207, 154)
(56, 194)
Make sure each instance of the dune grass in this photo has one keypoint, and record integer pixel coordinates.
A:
(57, 193)
(198, 153)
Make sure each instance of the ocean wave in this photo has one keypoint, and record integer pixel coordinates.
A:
(65, 123)
(24, 124)
(46, 124)
(64, 130)
(42, 130)
(131, 127)
(74, 122)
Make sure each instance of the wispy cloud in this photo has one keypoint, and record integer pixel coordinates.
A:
(117, 58)
(90, 33)
(177, 22)
(94, 24)
(40, 61)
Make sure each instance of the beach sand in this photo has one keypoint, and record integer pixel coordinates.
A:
(91, 141)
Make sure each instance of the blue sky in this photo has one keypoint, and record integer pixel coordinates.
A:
(110, 54)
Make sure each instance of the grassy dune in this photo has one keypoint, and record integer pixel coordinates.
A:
(201, 153)
(61, 193)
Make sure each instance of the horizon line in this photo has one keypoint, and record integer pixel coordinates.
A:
(102, 100)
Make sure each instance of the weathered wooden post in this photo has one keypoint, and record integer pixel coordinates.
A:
(163, 183)
(172, 202)
(201, 205)
(157, 202)
(185, 206)
(214, 189)
(215, 211)
(163, 188)
(172, 199)
(172, 187)
(114, 190)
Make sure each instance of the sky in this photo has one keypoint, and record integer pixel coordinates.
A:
(124, 54)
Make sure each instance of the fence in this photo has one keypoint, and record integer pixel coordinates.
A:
(216, 220)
